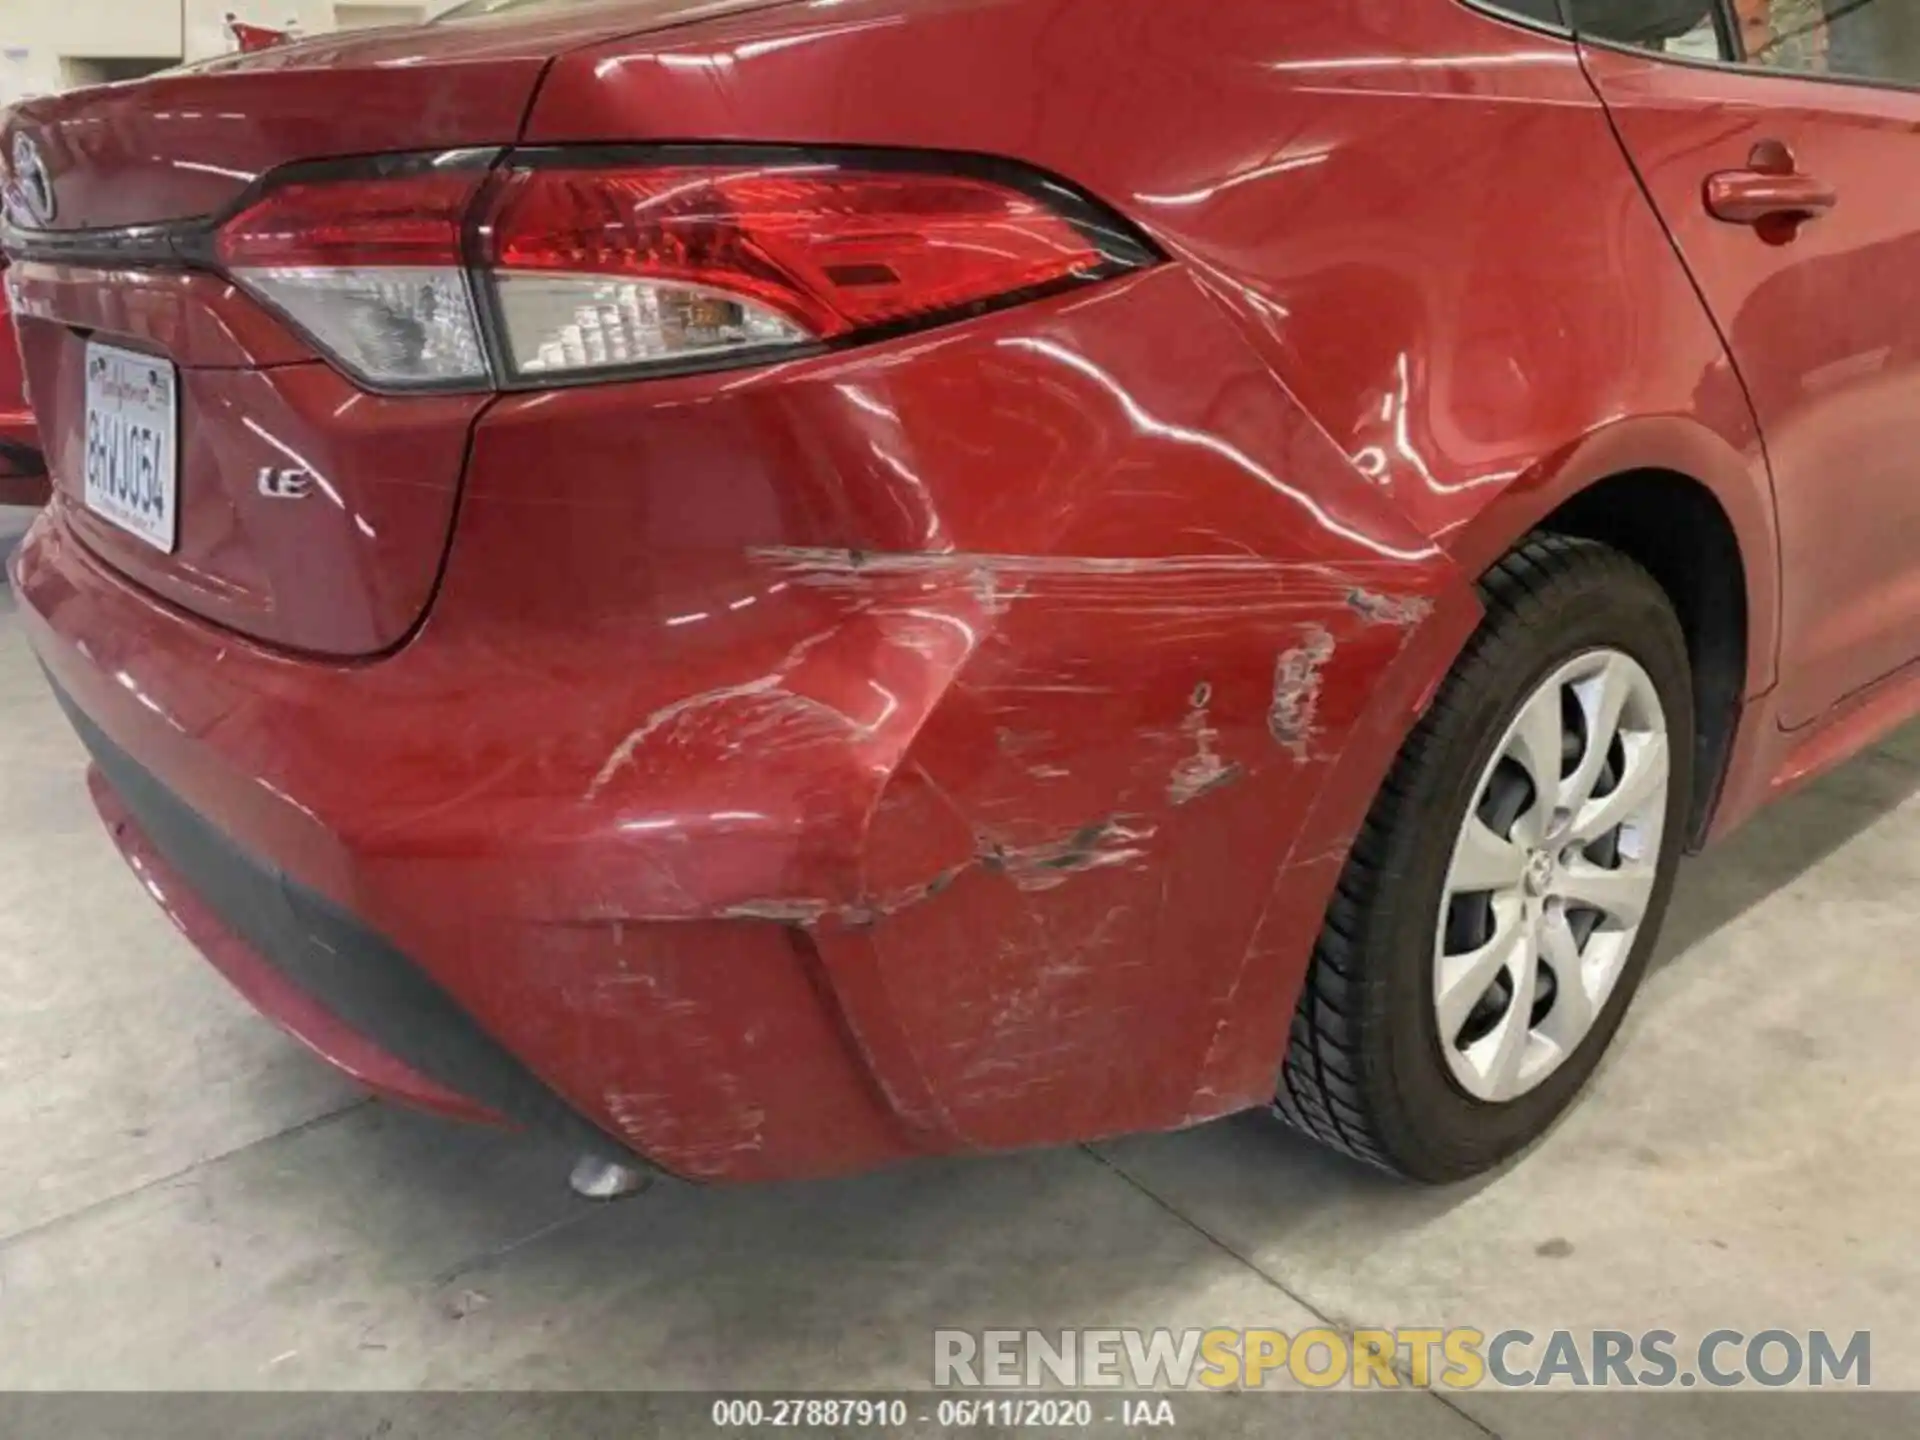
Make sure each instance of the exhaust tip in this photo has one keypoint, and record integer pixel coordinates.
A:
(597, 1178)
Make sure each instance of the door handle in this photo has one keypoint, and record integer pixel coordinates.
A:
(1756, 197)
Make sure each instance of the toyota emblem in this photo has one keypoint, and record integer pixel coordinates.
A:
(32, 184)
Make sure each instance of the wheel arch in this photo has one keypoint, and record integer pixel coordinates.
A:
(1678, 531)
(1696, 512)
(1690, 456)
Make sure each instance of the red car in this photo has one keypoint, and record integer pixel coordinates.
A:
(778, 587)
(23, 473)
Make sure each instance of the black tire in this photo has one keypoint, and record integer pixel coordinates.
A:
(1364, 1072)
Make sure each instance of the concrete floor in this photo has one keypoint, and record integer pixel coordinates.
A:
(188, 1200)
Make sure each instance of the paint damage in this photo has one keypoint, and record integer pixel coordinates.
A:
(1115, 841)
(1103, 844)
(706, 1155)
(1204, 771)
(1376, 609)
(808, 913)
(783, 704)
(993, 636)
(1297, 678)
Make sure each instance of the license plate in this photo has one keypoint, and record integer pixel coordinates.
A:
(133, 424)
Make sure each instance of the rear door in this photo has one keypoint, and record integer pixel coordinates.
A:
(1780, 140)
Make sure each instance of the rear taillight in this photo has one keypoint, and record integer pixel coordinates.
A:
(615, 267)
(581, 271)
(373, 269)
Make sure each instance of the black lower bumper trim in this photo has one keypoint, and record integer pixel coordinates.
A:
(22, 461)
(362, 978)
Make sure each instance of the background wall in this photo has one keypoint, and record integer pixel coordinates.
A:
(48, 45)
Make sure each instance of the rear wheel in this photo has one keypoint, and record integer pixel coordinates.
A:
(1499, 906)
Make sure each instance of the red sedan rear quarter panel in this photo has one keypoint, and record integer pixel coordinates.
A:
(1419, 214)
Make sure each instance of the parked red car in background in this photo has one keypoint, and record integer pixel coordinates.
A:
(251, 38)
(777, 587)
(23, 472)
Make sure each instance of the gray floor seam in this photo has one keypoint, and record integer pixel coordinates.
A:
(486, 1260)
(55, 1222)
(1332, 1321)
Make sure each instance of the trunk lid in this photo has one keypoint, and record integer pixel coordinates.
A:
(186, 142)
(342, 560)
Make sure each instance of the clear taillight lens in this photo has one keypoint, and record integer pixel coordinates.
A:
(372, 270)
(398, 328)
(584, 271)
(554, 324)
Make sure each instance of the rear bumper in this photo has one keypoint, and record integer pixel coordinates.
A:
(264, 986)
(773, 859)
(284, 823)
(299, 958)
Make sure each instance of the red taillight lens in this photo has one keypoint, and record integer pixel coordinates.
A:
(591, 269)
(371, 268)
(835, 251)
(402, 221)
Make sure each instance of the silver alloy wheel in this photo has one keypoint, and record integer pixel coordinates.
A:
(1552, 872)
